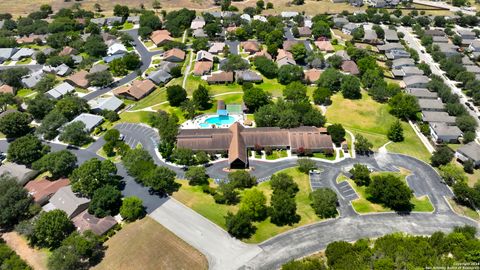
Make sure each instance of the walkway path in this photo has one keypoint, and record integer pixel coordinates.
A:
(36, 258)
(187, 69)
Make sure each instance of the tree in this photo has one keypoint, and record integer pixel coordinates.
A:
(239, 225)
(183, 156)
(100, 79)
(321, 96)
(15, 202)
(350, 87)
(95, 46)
(321, 29)
(452, 174)
(404, 106)
(201, 157)
(118, 67)
(253, 203)
(51, 229)
(227, 194)
(132, 61)
(306, 165)
(235, 62)
(112, 135)
(324, 202)
(121, 11)
(176, 95)
(92, 175)
(106, 201)
(441, 156)
(199, 44)
(283, 209)
(299, 52)
(197, 176)
(335, 61)
(161, 180)
(50, 124)
(358, 33)
(75, 133)
(360, 174)
(5, 100)
(59, 164)
(13, 76)
(255, 98)
(468, 166)
(26, 150)
(305, 264)
(201, 97)
(132, 208)
(331, 79)
(390, 191)
(267, 67)
(282, 182)
(241, 179)
(362, 145)
(40, 106)
(464, 122)
(71, 106)
(395, 132)
(290, 73)
(337, 132)
(15, 124)
(295, 92)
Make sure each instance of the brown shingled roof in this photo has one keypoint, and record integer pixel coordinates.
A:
(160, 37)
(350, 67)
(251, 46)
(7, 89)
(324, 45)
(67, 51)
(202, 67)
(78, 79)
(85, 221)
(137, 90)
(42, 190)
(174, 55)
(220, 77)
(237, 151)
(312, 75)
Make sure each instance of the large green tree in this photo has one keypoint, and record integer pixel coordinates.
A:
(197, 175)
(26, 150)
(92, 175)
(14, 202)
(390, 191)
(106, 201)
(239, 225)
(255, 98)
(176, 95)
(254, 202)
(15, 124)
(132, 208)
(59, 164)
(51, 228)
(395, 132)
(324, 202)
(201, 97)
(75, 134)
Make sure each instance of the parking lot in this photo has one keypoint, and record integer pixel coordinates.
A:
(321, 180)
(136, 134)
(347, 191)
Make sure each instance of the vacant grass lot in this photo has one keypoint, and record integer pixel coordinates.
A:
(372, 120)
(463, 210)
(204, 204)
(363, 205)
(145, 244)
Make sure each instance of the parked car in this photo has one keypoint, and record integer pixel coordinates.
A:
(121, 137)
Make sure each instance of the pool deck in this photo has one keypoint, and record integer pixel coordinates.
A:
(196, 123)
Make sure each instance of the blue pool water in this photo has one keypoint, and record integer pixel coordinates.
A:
(218, 121)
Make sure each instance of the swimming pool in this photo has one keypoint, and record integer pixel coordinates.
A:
(218, 121)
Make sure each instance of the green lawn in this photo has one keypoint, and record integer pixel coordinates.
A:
(204, 204)
(24, 92)
(157, 96)
(127, 26)
(148, 43)
(135, 117)
(372, 120)
(24, 61)
(276, 154)
(463, 210)
(363, 205)
(323, 156)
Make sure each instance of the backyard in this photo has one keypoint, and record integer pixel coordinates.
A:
(372, 120)
(204, 204)
(145, 244)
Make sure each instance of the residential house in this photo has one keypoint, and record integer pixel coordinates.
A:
(67, 50)
(284, 58)
(397, 54)
(160, 37)
(440, 39)
(402, 62)
(442, 133)
(32, 38)
(174, 55)
(448, 49)
(108, 103)
(438, 117)
(60, 90)
(160, 77)
(7, 89)
(197, 23)
(312, 75)
(288, 44)
(22, 53)
(263, 53)
(339, 22)
(242, 76)
(116, 48)
(260, 18)
(473, 47)
(91, 121)
(427, 104)
(343, 54)
(6, 53)
(350, 66)
(78, 79)
(473, 69)
(64, 199)
(99, 226)
(109, 58)
(304, 31)
(406, 71)
(42, 190)
(199, 33)
(377, 3)
(30, 80)
(216, 47)
(20, 172)
(421, 93)
(416, 81)
(251, 47)
(388, 47)
(469, 151)
(137, 91)
(236, 140)
(467, 62)
(77, 59)
(98, 68)
(288, 14)
(201, 68)
(370, 36)
(204, 56)
(356, 3)
(307, 21)
(62, 70)
(391, 35)
(246, 17)
(111, 20)
(324, 46)
(435, 33)
(219, 77)
(467, 35)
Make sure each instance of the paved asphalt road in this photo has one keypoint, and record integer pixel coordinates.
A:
(145, 56)
(444, 5)
(414, 43)
(224, 252)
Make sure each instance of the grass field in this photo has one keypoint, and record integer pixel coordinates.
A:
(145, 244)
(372, 120)
(277, 154)
(363, 205)
(204, 204)
(463, 210)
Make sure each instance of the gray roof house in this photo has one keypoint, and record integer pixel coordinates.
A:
(470, 151)
(63, 70)
(349, 27)
(6, 53)
(60, 90)
(23, 53)
(199, 33)
(439, 117)
(91, 121)
(370, 36)
(160, 76)
(98, 68)
(440, 132)
(110, 103)
(20, 172)
(431, 105)
(339, 22)
(440, 39)
(391, 35)
(402, 62)
(416, 81)
(397, 54)
(447, 48)
(423, 93)
(474, 46)
(343, 54)
(64, 199)
(204, 56)
(390, 46)
(466, 34)
(30, 80)
(247, 76)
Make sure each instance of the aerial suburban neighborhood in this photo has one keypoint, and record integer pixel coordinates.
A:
(218, 134)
